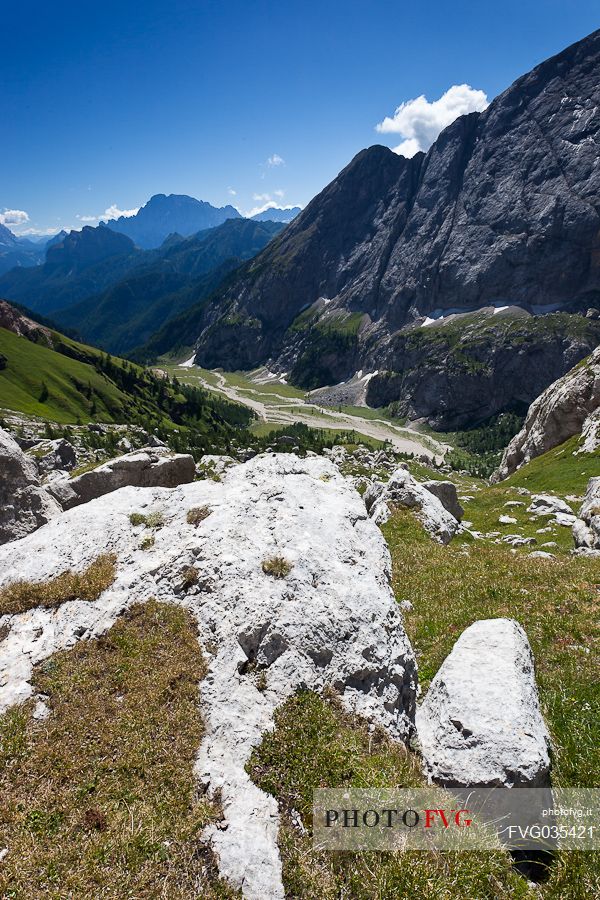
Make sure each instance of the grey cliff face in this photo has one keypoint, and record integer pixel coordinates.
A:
(502, 211)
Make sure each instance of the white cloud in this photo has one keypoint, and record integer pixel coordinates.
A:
(275, 160)
(280, 194)
(231, 192)
(111, 212)
(419, 121)
(40, 231)
(265, 202)
(13, 217)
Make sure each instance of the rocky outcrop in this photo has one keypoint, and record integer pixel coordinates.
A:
(142, 468)
(500, 213)
(404, 490)
(586, 528)
(332, 620)
(480, 722)
(13, 320)
(54, 454)
(446, 493)
(24, 504)
(568, 407)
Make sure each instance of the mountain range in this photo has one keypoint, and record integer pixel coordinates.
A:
(16, 251)
(98, 283)
(162, 216)
(458, 280)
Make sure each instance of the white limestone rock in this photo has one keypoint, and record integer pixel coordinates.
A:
(24, 504)
(586, 528)
(568, 407)
(567, 520)
(480, 722)
(143, 468)
(446, 493)
(403, 490)
(548, 505)
(517, 540)
(590, 433)
(213, 465)
(332, 621)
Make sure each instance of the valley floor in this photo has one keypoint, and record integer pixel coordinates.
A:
(276, 403)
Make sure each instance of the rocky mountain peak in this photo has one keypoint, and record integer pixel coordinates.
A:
(501, 213)
(80, 249)
(165, 214)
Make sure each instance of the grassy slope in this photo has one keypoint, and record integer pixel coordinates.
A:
(77, 383)
(30, 365)
(99, 799)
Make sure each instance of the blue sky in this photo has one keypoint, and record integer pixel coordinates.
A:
(107, 103)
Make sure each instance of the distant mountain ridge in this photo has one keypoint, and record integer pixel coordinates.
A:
(98, 283)
(164, 283)
(17, 251)
(163, 215)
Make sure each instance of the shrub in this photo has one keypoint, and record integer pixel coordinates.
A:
(197, 514)
(150, 520)
(277, 566)
(190, 577)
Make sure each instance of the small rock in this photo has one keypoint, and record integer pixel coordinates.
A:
(548, 505)
(517, 540)
(507, 520)
(403, 490)
(565, 519)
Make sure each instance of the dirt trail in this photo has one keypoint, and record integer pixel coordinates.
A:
(402, 439)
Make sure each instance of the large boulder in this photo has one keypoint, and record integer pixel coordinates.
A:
(446, 493)
(331, 620)
(404, 490)
(480, 723)
(586, 529)
(568, 407)
(24, 504)
(142, 468)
